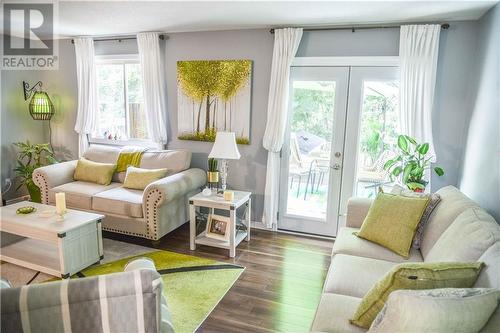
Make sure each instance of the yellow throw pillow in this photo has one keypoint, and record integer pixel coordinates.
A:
(138, 179)
(94, 172)
(392, 221)
(414, 276)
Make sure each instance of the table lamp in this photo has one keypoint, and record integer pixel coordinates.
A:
(224, 149)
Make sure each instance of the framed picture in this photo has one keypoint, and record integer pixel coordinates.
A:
(218, 227)
(214, 95)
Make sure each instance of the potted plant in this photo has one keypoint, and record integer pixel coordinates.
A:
(213, 172)
(411, 162)
(30, 157)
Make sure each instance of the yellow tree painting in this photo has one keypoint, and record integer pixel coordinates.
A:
(214, 95)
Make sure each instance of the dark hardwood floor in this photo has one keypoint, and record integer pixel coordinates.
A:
(279, 289)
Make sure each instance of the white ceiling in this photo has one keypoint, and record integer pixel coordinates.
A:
(102, 18)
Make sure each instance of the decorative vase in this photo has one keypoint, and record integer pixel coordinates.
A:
(213, 179)
(213, 176)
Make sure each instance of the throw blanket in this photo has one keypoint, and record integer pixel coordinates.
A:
(129, 156)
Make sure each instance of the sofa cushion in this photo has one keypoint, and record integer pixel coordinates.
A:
(348, 243)
(414, 276)
(392, 221)
(102, 153)
(138, 178)
(94, 172)
(490, 274)
(467, 238)
(446, 310)
(173, 160)
(354, 276)
(333, 314)
(79, 194)
(453, 203)
(120, 200)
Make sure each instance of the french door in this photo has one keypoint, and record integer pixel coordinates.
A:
(341, 124)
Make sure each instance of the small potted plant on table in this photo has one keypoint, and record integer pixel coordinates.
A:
(213, 173)
(411, 162)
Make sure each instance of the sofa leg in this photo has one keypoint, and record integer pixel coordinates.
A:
(155, 243)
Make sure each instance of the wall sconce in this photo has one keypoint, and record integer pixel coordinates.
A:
(41, 107)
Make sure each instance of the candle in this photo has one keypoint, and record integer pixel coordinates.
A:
(60, 203)
(228, 195)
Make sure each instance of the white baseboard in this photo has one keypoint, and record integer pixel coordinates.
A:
(259, 225)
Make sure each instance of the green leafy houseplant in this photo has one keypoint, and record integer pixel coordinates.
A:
(411, 163)
(30, 157)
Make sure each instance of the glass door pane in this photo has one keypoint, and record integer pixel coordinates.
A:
(378, 133)
(311, 129)
(371, 127)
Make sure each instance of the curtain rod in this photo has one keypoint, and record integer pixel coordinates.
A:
(444, 26)
(119, 39)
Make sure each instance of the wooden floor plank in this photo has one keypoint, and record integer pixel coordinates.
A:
(279, 289)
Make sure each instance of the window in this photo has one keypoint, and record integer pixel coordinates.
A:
(121, 115)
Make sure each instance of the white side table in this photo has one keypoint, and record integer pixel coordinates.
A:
(217, 202)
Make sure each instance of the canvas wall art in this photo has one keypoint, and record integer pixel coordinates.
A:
(214, 95)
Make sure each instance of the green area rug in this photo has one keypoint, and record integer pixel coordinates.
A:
(193, 286)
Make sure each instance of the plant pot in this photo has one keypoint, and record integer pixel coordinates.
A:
(34, 192)
(213, 176)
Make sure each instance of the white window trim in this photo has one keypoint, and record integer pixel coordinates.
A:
(371, 61)
(121, 143)
(123, 59)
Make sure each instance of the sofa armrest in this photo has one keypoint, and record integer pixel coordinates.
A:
(53, 175)
(357, 208)
(174, 186)
(159, 194)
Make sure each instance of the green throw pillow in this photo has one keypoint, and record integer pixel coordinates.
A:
(414, 276)
(94, 172)
(138, 179)
(392, 221)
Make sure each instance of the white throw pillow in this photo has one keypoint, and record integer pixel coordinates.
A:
(447, 310)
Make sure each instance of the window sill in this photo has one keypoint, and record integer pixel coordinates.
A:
(121, 143)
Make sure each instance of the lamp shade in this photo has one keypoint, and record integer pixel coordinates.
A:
(41, 107)
(225, 147)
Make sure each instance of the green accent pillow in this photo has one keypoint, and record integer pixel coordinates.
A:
(94, 172)
(392, 221)
(138, 179)
(414, 276)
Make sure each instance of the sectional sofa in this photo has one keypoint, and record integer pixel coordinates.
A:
(152, 213)
(458, 230)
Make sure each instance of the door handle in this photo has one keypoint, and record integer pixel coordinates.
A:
(336, 166)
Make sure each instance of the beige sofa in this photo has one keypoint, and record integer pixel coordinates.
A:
(458, 230)
(151, 214)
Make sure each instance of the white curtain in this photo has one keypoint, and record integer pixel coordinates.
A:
(418, 53)
(86, 116)
(286, 43)
(153, 85)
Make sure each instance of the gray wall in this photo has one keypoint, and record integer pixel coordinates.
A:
(17, 124)
(453, 98)
(452, 102)
(480, 177)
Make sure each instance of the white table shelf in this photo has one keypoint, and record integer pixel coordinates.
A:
(214, 201)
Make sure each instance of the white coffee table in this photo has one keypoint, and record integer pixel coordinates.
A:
(59, 248)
